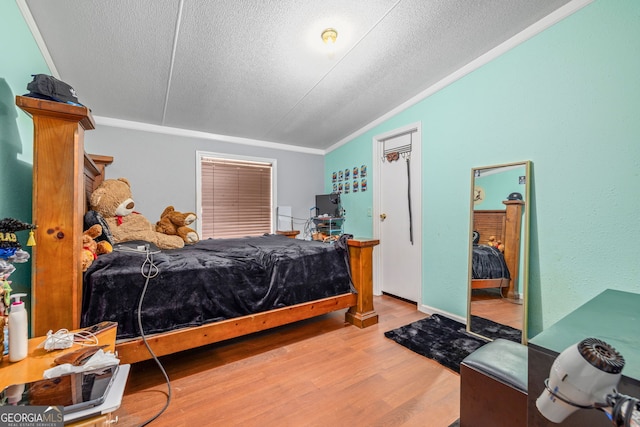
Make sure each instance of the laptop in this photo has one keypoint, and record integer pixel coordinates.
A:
(75, 392)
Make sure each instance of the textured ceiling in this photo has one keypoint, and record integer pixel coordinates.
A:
(258, 69)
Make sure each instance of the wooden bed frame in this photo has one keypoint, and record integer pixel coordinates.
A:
(505, 225)
(63, 178)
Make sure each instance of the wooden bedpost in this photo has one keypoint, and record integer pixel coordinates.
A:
(512, 234)
(361, 253)
(58, 175)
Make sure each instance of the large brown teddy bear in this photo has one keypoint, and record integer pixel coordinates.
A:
(114, 201)
(176, 223)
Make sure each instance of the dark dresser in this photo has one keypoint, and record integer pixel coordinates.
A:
(612, 316)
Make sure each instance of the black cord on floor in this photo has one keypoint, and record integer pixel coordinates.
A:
(151, 272)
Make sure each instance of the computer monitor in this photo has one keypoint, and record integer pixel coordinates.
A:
(328, 204)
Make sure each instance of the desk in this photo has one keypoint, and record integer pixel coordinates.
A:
(38, 360)
(611, 316)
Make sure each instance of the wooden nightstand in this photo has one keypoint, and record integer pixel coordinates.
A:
(38, 360)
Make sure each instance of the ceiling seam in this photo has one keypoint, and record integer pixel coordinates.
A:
(173, 59)
(332, 68)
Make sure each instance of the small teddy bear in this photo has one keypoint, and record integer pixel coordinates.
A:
(90, 248)
(176, 223)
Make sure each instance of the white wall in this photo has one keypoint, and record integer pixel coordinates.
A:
(162, 169)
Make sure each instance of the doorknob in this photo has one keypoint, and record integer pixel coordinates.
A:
(383, 217)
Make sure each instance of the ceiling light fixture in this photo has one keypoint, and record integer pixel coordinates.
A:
(329, 36)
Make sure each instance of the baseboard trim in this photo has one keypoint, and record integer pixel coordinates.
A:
(432, 310)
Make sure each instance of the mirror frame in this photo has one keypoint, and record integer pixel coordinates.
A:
(524, 274)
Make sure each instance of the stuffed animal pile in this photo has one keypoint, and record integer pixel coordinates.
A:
(114, 201)
(495, 243)
(91, 248)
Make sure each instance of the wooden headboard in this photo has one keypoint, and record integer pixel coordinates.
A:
(94, 171)
(490, 223)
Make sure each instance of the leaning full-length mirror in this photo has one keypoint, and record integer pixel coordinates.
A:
(498, 251)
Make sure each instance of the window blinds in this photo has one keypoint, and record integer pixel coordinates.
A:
(236, 198)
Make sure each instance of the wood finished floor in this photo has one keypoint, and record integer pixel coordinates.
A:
(320, 372)
(502, 310)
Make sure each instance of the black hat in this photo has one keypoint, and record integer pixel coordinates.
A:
(50, 88)
(514, 196)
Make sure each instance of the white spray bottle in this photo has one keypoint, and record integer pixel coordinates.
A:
(18, 329)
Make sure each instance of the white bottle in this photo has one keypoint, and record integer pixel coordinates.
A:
(18, 329)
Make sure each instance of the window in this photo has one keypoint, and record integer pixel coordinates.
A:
(236, 196)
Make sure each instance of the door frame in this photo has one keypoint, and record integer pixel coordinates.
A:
(416, 195)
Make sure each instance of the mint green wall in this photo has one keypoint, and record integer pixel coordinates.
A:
(569, 101)
(356, 205)
(498, 186)
(19, 58)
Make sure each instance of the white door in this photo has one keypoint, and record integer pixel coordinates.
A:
(398, 228)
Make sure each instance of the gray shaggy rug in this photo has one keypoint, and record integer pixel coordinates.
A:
(446, 340)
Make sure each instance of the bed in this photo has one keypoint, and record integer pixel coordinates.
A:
(62, 168)
(210, 281)
(490, 267)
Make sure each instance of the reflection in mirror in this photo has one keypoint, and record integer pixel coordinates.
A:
(498, 253)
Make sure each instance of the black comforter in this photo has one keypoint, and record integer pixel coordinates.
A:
(212, 280)
(488, 263)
